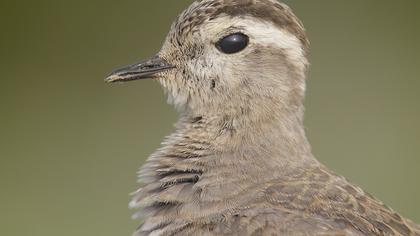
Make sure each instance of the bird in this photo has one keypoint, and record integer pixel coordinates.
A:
(239, 161)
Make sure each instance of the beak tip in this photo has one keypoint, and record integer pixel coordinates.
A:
(111, 79)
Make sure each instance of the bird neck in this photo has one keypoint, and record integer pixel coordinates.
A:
(213, 158)
(271, 140)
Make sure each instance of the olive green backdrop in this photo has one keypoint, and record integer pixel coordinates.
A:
(70, 145)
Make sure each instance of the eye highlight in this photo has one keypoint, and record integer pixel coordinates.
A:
(233, 43)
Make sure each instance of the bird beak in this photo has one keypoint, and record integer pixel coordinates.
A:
(143, 70)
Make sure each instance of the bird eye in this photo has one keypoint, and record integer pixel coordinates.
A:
(233, 43)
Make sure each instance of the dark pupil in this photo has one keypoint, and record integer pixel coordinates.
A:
(233, 43)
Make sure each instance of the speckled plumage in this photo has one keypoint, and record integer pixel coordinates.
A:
(239, 162)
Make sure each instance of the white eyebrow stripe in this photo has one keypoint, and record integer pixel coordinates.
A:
(266, 33)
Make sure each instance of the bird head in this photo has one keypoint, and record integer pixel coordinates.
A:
(230, 56)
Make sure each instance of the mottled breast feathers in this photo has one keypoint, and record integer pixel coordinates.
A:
(304, 201)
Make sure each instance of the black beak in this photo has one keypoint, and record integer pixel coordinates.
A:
(142, 70)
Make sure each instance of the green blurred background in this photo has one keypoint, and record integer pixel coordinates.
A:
(70, 145)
